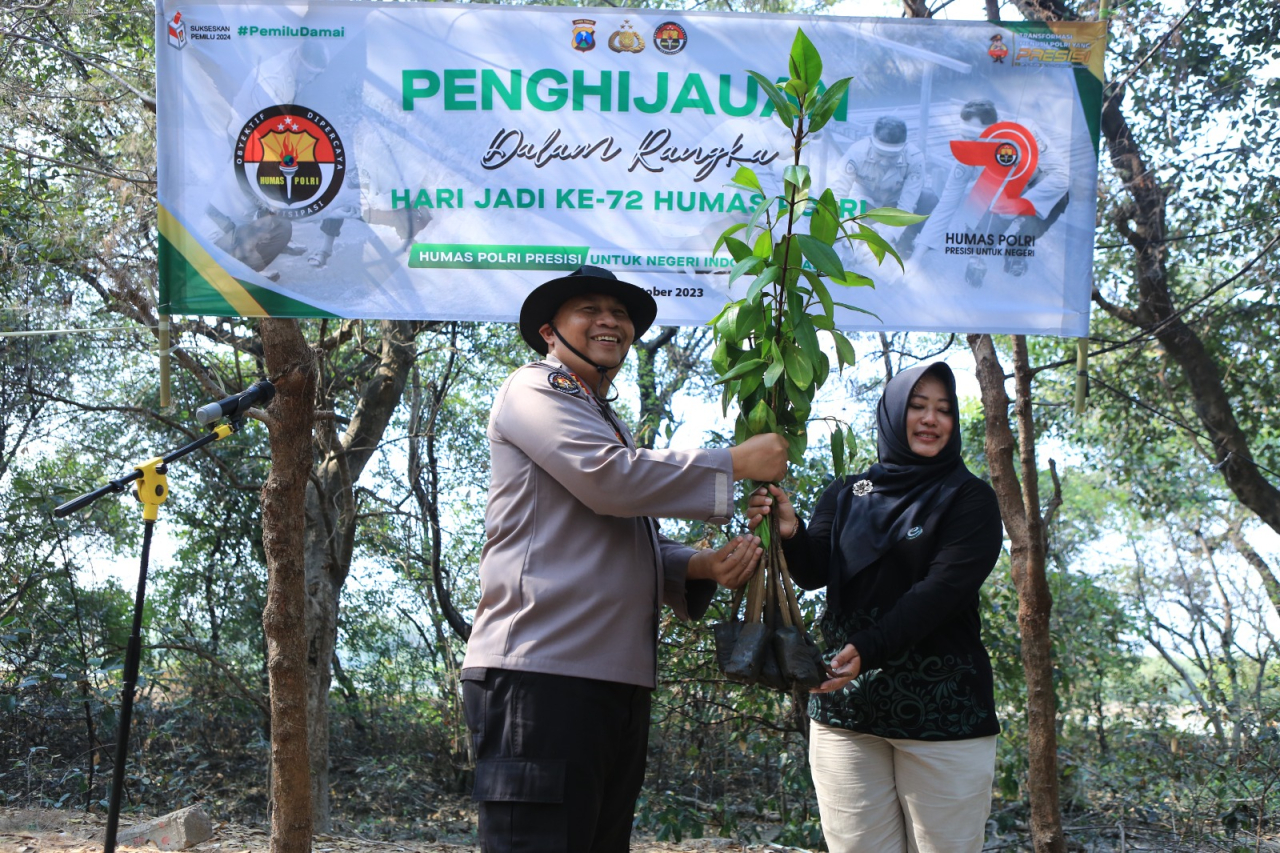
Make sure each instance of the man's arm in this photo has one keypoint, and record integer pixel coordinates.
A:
(691, 577)
(565, 435)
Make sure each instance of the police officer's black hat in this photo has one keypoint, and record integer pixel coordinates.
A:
(545, 300)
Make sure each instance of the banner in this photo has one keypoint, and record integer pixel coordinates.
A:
(436, 161)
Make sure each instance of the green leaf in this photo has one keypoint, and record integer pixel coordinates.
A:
(720, 357)
(795, 305)
(749, 384)
(801, 398)
(786, 112)
(858, 310)
(797, 443)
(737, 249)
(798, 367)
(724, 235)
(761, 209)
(747, 266)
(852, 279)
(893, 216)
(750, 319)
(764, 245)
(772, 374)
(805, 63)
(820, 254)
(821, 368)
(760, 417)
(726, 397)
(766, 277)
(787, 255)
(825, 107)
(740, 368)
(795, 88)
(824, 296)
(844, 349)
(837, 452)
(745, 177)
(798, 176)
(807, 338)
(728, 321)
(878, 245)
(823, 224)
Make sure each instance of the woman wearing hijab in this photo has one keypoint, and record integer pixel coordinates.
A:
(903, 735)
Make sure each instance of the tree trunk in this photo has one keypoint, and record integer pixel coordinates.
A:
(1143, 224)
(330, 535)
(1020, 508)
(291, 363)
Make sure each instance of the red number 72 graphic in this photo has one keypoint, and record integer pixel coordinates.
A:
(1007, 153)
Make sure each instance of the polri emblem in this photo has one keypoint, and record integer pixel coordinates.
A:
(584, 35)
(563, 383)
(670, 38)
(626, 40)
(290, 159)
(862, 488)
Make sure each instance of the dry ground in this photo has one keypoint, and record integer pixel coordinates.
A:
(58, 831)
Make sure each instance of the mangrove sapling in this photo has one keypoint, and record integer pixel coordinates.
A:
(769, 358)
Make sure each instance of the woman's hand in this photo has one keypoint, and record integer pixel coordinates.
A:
(765, 500)
(844, 668)
(731, 565)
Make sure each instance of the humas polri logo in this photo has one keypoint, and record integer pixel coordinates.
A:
(291, 159)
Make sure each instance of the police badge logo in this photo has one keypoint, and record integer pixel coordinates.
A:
(563, 383)
(625, 39)
(1006, 154)
(584, 35)
(290, 159)
(670, 38)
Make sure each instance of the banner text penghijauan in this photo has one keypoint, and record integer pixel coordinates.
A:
(549, 90)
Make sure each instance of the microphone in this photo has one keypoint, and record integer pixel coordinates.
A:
(233, 407)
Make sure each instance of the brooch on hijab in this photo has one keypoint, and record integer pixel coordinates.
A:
(862, 488)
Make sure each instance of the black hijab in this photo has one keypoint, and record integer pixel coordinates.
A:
(903, 490)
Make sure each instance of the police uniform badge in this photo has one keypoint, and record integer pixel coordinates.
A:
(563, 383)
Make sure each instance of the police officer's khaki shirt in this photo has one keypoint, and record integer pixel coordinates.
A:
(572, 571)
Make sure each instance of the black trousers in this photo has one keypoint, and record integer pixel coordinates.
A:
(559, 760)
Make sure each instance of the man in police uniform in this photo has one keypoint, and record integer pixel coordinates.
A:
(884, 170)
(562, 656)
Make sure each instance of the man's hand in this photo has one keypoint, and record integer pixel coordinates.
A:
(730, 566)
(771, 499)
(844, 668)
(761, 457)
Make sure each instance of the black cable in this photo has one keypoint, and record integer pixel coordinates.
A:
(599, 368)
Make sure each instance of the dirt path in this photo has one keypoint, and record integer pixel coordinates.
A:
(56, 831)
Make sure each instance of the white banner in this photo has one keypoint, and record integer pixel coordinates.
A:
(436, 161)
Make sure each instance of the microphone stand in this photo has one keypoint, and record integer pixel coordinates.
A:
(152, 490)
